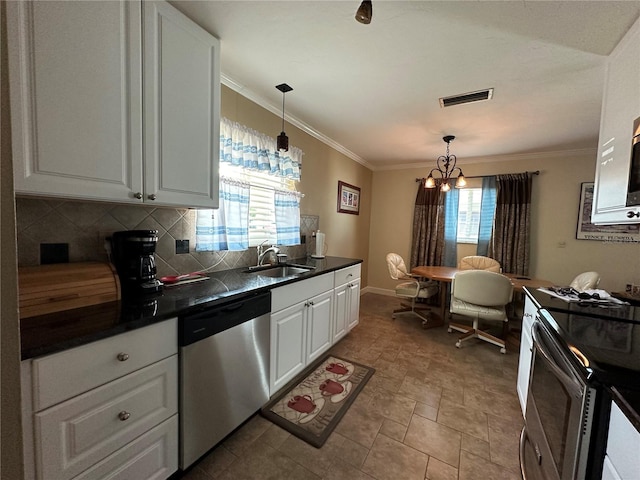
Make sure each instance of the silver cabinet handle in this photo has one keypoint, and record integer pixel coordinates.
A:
(152, 196)
(123, 357)
(527, 315)
(124, 415)
(138, 195)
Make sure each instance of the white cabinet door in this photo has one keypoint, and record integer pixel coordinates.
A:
(623, 445)
(340, 316)
(353, 303)
(76, 98)
(152, 456)
(620, 107)
(182, 105)
(526, 346)
(319, 320)
(608, 470)
(74, 435)
(288, 344)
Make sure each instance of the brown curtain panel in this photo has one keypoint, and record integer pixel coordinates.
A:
(510, 242)
(427, 246)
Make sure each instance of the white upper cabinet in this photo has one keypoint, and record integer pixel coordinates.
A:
(182, 109)
(76, 97)
(77, 81)
(620, 107)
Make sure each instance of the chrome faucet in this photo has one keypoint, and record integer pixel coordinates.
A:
(263, 253)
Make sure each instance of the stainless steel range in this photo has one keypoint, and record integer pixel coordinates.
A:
(579, 353)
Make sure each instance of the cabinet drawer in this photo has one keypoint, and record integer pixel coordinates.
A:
(153, 455)
(74, 435)
(283, 297)
(347, 275)
(63, 375)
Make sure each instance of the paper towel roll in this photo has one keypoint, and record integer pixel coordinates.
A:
(319, 245)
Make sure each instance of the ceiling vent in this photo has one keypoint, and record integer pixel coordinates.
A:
(466, 98)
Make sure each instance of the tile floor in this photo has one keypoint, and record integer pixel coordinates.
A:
(431, 411)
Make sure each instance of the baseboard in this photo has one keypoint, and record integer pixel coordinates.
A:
(379, 291)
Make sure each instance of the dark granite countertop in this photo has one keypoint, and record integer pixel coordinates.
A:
(59, 331)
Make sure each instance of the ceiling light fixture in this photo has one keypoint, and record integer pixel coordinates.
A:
(283, 140)
(365, 12)
(446, 166)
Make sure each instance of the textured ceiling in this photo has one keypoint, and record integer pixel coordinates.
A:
(373, 89)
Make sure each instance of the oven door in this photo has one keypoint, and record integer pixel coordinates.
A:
(554, 415)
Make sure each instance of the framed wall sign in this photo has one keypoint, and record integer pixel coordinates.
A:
(608, 233)
(348, 198)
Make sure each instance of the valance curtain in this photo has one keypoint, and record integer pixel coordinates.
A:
(247, 148)
(228, 227)
(427, 245)
(510, 240)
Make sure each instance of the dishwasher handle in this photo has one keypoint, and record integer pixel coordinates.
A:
(221, 317)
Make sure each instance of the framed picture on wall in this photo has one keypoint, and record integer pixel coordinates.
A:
(609, 233)
(348, 198)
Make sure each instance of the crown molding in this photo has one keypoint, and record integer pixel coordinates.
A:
(496, 158)
(251, 95)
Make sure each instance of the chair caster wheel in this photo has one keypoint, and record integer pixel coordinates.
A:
(424, 324)
(393, 317)
(449, 330)
(458, 343)
(503, 350)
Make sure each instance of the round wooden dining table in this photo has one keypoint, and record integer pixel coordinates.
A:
(445, 275)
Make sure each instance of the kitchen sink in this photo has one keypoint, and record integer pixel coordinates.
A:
(280, 271)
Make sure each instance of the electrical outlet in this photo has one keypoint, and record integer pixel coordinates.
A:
(182, 246)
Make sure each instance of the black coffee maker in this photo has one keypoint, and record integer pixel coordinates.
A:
(133, 256)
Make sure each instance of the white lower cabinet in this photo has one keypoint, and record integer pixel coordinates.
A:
(526, 352)
(622, 460)
(307, 318)
(124, 426)
(301, 321)
(347, 295)
(319, 317)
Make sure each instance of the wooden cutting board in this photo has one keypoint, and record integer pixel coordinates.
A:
(64, 286)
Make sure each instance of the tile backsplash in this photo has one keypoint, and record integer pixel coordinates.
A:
(85, 225)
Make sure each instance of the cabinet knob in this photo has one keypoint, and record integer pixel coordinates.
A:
(631, 214)
(123, 357)
(152, 196)
(124, 415)
(311, 303)
(138, 195)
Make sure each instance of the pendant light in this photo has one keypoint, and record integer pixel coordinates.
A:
(446, 166)
(365, 12)
(283, 140)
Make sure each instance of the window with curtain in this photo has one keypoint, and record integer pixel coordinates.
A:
(258, 197)
(469, 203)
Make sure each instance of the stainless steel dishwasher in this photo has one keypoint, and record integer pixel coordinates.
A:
(224, 371)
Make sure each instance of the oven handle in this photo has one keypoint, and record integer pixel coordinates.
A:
(570, 383)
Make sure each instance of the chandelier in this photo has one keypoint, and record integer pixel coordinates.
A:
(446, 166)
